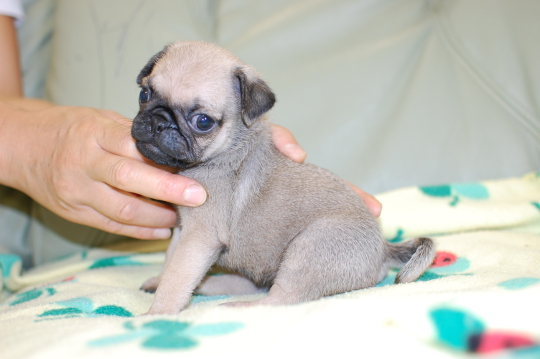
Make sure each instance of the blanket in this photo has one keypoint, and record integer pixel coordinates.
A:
(479, 298)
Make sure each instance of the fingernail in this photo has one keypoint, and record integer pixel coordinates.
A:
(195, 195)
(162, 233)
(295, 152)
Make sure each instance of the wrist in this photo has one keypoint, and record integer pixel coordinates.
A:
(8, 115)
(15, 159)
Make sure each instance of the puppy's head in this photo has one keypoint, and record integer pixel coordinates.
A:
(196, 100)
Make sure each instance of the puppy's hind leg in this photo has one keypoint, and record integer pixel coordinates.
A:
(151, 284)
(331, 256)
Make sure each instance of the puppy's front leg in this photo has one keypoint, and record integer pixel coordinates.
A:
(195, 253)
(151, 284)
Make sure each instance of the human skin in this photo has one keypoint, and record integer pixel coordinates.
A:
(82, 164)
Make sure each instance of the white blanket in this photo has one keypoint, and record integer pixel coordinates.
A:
(480, 297)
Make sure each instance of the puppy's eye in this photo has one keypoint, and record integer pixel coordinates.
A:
(145, 95)
(202, 123)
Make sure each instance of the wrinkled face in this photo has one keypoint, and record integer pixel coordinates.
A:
(190, 100)
(196, 101)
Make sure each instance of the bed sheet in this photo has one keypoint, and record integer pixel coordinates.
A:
(479, 298)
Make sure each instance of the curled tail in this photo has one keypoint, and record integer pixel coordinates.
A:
(415, 256)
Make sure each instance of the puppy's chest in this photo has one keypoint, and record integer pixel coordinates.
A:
(249, 221)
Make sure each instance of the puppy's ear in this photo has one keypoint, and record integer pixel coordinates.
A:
(256, 98)
(147, 69)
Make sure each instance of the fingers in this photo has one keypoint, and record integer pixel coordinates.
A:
(140, 178)
(116, 137)
(123, 167)
(371, 202)
(115, 211)
(128, 180)
(130, 209)
(91, 217)
(286, 144)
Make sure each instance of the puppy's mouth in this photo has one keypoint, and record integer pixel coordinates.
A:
(160, 140)
(155, 154)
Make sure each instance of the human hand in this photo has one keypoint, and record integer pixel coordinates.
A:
(371, 202)
(287, 144)
(82, 164)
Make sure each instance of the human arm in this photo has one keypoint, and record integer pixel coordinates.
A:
(10, 79)
(82, 164)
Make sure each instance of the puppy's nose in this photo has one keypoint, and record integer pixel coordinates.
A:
(158, 124)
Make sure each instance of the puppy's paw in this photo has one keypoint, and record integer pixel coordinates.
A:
(151, 285)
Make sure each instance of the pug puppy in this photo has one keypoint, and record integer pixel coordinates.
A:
(294, 228)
